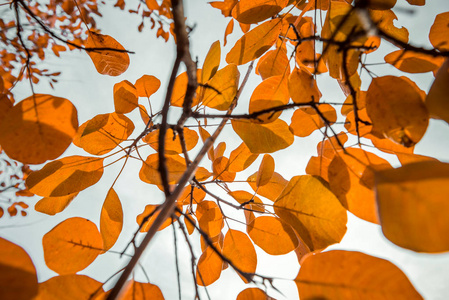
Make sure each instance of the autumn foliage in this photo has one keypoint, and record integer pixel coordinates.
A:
(284, 44)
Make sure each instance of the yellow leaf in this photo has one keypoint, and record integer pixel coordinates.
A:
(111, 219)
(273, 63)
(313, 211)
(70, 287)
(437, 99)
(273, 235)
(255, 11)
(396, 108)
(413, 62)
(269, 93)
(439, 32)
(53, 205)
(264, 138)
(147, 85)
(241, 158)
(255, 43)
(107, 62)
(72, 245)
(413, 205)
(211, 62)
(266, 170)
(239, 249)
(142, 291)
(306, 120)
(103, 133)
(65, 176)
(272, 189)
(125, 97)
(209, 267)
(176, 167)
(38, 128)
(351, 275)
(302, 87)
(18, 279)
(219, 92)
(172, 141)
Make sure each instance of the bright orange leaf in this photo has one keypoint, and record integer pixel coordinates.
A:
(306, 120)
(53, 205)
(255, 11)
(209, 267)
(147, 85)
(302, 87)
(211, 62)
(70, 287)
(220, 90)
(439, 32)
(111, 219)
(125, 97)
(266, 170)
(436, 100)
(239, 249)
(272, 189)
(172, 141)
(142, 291)
(241, 158)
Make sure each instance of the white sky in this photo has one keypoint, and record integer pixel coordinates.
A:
(92, 94)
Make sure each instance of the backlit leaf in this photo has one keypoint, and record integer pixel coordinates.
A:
(241, 158)
(255, 43)
(397, 110)
(273, 235)
(381, 4)
(253, 294)
(142, 291)
(70, 287)
(264, 138)
(413, 205)
(209, 267)
(111, 219)
(351, 275)
(65, 176)
(147, 85)
(272, 189)
(437, 99)
(219, 92)
(146, 219)
(125, 97)
(313, 211)
(211, 220)
(18, 279)
(211, 62)
(306, 120)
(251, 201)
(38, 128)
(72, 245)
(103, 133)
(53, 205)
(413, 62)
(239, 249)
(255, 11)
(172, 141)
(220, 167)
(384, 19)
(302, 87)
(180, 87)
(107, 62)
(266, 170)
(273, 63)
(439, 32)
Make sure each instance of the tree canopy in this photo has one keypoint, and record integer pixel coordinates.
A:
(204, 145)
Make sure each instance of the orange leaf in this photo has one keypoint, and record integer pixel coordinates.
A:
(239, 249)
(273, 63)
(439, 32)
(147, 85)
(305, 120)
(251, 201)
(228, 31)
(253, 294)
(255, 43)
(351, 275)
(269, 93)
(209, 267)
(211, 62)
(103, 133)
(273, 235)
(107, 62)
(381, 4)
(436, 100)
(396, 108)
(191, 195)
(142, 291)
(149, 215)
(302, 87)
(351, 179)
(255, 11)
(384, 19)
(241, 158)
(225, 6)
(125, 97)
(111, 219)
(70, 287)
(264, 138)
(176, 167)
(172, 141)
(416, 2)
(72, 245)
(65, 176)
(413, 62)
(45, 122)
(211, 219)
(266, 170)
(18, 279)
(179, 90)
(313, 211)
(220, 167)
(220, 90)
(53, 205)
(272, 189)
(413, 205)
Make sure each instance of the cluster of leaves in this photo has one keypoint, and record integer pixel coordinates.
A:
(305, 214)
